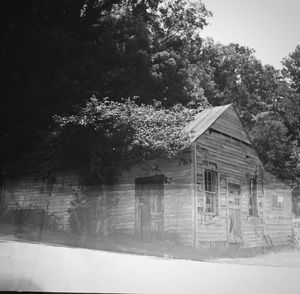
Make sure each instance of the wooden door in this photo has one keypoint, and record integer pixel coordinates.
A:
(234, 210)
(149, 200)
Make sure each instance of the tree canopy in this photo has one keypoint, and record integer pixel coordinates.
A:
(104, 136)
(57, 54)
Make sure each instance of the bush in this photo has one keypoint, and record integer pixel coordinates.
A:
(106, 136)
(90, 211)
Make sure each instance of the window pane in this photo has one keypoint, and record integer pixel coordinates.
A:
(252, 188)
(210, 185)
(210, 178)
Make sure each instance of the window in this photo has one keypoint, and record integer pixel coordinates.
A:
(252, 192)
(234, 191)
(277, 201)
(211, 191)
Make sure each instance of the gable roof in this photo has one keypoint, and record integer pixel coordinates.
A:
(206, 118)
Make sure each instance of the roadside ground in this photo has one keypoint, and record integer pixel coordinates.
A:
(28, 266)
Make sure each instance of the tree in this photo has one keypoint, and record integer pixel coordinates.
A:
(232, 74)
(273, 145)
(104, 136)
(57, 54)
(290, 108)
(291, 68)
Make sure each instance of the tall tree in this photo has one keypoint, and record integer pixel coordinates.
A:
(291, 68)
(55, 55)
(232, 74)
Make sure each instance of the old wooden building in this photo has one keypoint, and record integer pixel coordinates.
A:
(215, 194)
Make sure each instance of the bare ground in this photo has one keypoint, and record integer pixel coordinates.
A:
(284, 258)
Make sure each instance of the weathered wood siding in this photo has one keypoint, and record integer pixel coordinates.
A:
(53, 195)
(234, 160)
(224, 148)
(56, 196)
(277, 218)
(177, 201)
(230, 124)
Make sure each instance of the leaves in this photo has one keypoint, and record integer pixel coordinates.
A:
(57, 54)
(292, 68)
(105, 135)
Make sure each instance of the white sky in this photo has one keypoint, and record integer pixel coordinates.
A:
(271, 27)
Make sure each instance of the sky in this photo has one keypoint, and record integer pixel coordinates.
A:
(270, 27)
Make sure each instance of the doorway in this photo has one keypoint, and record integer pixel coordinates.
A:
(149, 193)
(234, 213)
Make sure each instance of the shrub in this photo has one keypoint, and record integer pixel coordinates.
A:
(105, 136)
(90, 211)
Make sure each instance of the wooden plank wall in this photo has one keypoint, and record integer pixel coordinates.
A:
(296, 229)
(55, 197)
(278, 220)
(234, 160)
(230, 124)
(177, 202)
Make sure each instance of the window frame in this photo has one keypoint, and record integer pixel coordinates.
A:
(213, 194)
(276, 204)
(252, 195)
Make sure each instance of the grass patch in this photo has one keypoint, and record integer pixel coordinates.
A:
(125, 244)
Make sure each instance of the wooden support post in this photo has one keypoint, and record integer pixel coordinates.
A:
(194, 193)
(227, 213)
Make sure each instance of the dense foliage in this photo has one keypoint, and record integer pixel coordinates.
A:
(57, 54)
(106, 135)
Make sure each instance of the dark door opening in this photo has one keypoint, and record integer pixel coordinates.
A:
(234, 208)
(149, 193)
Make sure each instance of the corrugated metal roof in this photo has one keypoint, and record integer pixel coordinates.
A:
(204, 120)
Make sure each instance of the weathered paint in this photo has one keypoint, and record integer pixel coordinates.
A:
(224, 147)
(54, 195)
(278, 219)
(177, 202)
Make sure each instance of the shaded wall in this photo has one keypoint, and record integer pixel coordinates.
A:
(177, 201)
(234, 160)
(56, 194)
(277, 210)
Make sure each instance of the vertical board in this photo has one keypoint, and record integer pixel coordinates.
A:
(149, 193)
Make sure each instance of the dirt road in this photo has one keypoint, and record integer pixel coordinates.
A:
(37, 267)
